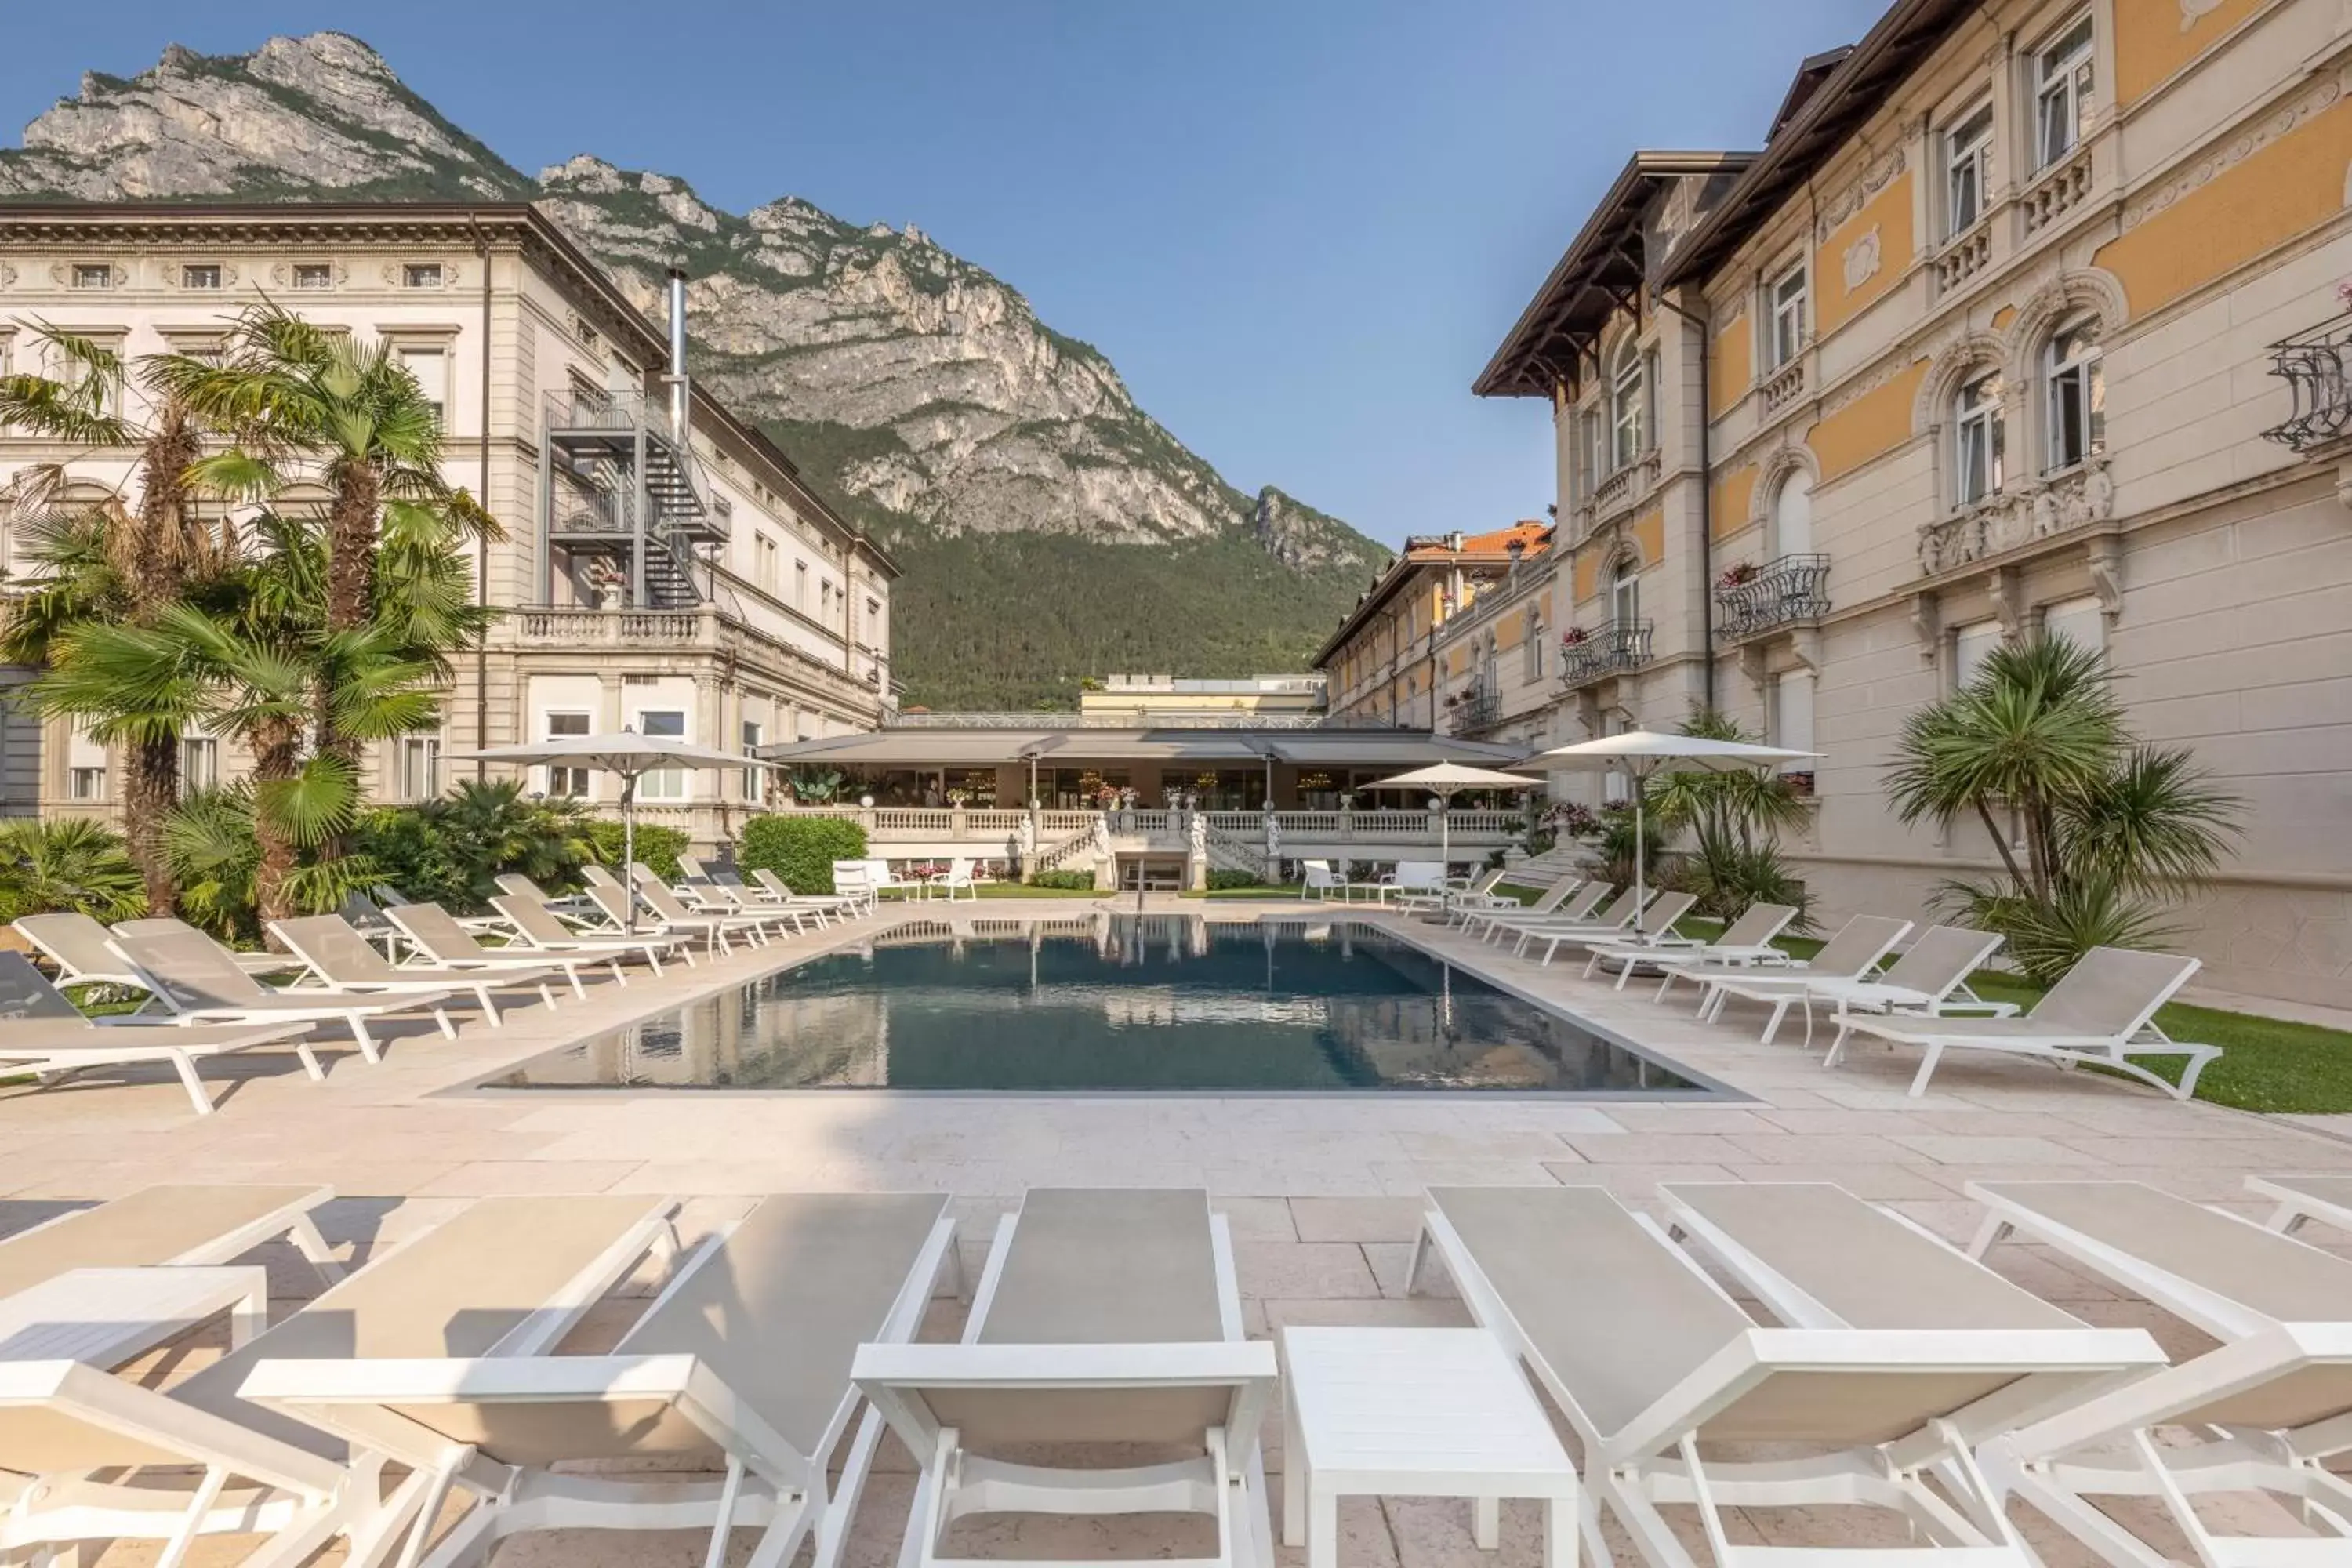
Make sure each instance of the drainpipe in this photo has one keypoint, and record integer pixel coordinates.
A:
(1705, 509)
(482, 547)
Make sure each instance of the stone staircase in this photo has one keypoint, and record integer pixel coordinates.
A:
(1230, 852)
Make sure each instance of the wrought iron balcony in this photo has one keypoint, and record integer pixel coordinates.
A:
(1477, 707)
(2313, 367)
(1605, 650)
(1786, 592)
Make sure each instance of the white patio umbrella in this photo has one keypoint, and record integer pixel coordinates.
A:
(631, 756)
(1641, 752)
(1441, 780)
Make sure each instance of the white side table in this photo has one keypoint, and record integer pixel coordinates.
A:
(106, 1316)
(1415, 1412)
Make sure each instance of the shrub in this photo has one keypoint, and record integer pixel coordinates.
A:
(657, 847)
(1071, 881)
(800, 849)
(1221, 880)
(70, 865)
(452, 850)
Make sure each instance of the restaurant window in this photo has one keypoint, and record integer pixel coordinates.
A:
(568, 784)
(1083, 789)
(975, 789)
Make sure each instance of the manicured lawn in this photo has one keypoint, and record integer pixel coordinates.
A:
(2267, 1064)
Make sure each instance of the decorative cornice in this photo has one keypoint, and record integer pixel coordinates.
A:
(1876, 174)
(2219, 158)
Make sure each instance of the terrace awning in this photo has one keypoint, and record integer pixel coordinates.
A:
(933, 746)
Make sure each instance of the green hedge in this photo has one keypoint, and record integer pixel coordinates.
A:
(1223, 880)
(800, 849)
(658, 848)
(1072, 880)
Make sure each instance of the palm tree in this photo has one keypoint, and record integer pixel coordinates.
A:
(73, 864)
(1736, 821)
(107, 558)
(300, 402)
(2107, 828)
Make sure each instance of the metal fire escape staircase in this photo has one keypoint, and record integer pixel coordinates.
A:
(627, 502)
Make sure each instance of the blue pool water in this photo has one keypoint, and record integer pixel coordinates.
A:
(1115, 1003)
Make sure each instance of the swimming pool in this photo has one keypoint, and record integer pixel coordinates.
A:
(1115, 1004)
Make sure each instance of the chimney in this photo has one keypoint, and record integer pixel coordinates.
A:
(1518, 548)
(679, 388)
(1454, 542)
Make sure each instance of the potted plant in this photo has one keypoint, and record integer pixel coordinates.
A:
(1574, 637)
(1732, 576)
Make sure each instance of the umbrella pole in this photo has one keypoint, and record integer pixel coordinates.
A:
(1445, 841)
(1641, 854)
(628, 854)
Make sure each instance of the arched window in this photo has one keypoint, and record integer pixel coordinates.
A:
(1792, 515)
(1534, 644)
(1976, 438)
(1625, 593)
(1627, 405)
(2076, 406)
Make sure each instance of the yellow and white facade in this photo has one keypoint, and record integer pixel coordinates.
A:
(2024, 318)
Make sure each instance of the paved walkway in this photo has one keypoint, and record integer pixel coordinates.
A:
(1321, 1191)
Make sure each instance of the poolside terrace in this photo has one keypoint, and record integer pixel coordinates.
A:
(1322, 1192)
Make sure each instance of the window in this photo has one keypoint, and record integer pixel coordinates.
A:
(1593, 451)
(1967, 170)
(2079, 621)
(765, 566)
(1534, 645)
(1792, 515)
(1789, 714)
(314, 275)
(421, 275)
(661, 784)
(1976, 440)
(200, 276)
(570, 783)
(2061, 92)
(825, 600)
(1788, 300)
(800, 586)
(431, 369)
(2077, 411)
(1625, 594)
(93, 275)
(1971, 646)
(420, 768)
(754, 736)
(199, 764)
(1627, 398)
(85, 783)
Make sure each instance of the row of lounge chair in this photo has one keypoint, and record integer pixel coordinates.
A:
(2102, 1011)
(201, 1000)
(1765, 1346)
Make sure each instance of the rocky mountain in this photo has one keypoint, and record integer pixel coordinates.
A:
(922, 392)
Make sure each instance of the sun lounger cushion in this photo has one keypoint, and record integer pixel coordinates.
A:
(1576, 1271)
(152, 1226)
(1107, 1267)
(455, 1291)
(1861, 1263)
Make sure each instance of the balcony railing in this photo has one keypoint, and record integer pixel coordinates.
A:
(1477, 709)
(707, 628)
(1782, 593)
(1607, 649)
(2314, 366)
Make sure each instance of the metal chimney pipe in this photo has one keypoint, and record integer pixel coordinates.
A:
(680, 398)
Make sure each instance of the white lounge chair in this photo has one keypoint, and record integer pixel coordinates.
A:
(1102, 1317)
(960, 881)
(851, 880)
(705, 901)
(506, 1276)
(536, 927)
(1654, 925)
(43, 1033)
(1491, 897)
(735, 898)
(2102, 1011)
(833, 905)
(711, 929)
(189, 1226)
(1412, 878)
(1882, 1379)
(200, 982)
(745, 1358)
(1322, 882)
(2301, 1199)
(1853, 954)
(436, 937)
(878, 879)
(1931, 977)
(571, 906)
(1746, 944)
(1452, 890)
(2263, 1412)
(387, 898)
(77, 944)
(343, 961)
(1619, 915)
(1569, 903)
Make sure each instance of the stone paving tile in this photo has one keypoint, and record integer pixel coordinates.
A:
(1817, 1149)
(1357, 1219)
(1657, 1149)
(1410, 1180)
(484, 1178)
(1302, 1270)
(1635, 1184)
(1266, 1219)
(1688, 1118)
(1872, 1182)
(1954, 1149)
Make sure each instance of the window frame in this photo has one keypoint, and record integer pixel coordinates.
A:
(667, 784)
(1988, 416)
(205, 276)
(1628, 393)
(1625, 593)
(97, 277)
(1784, 336)
(560, 779)
(1969, 145)
(199, 764)
(754, 735)
(2069, 81)
(409, 356)
(2086, 370)
(407, 748)
(324, 272)
(422, 274)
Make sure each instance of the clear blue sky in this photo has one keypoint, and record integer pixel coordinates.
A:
(1298, 228)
